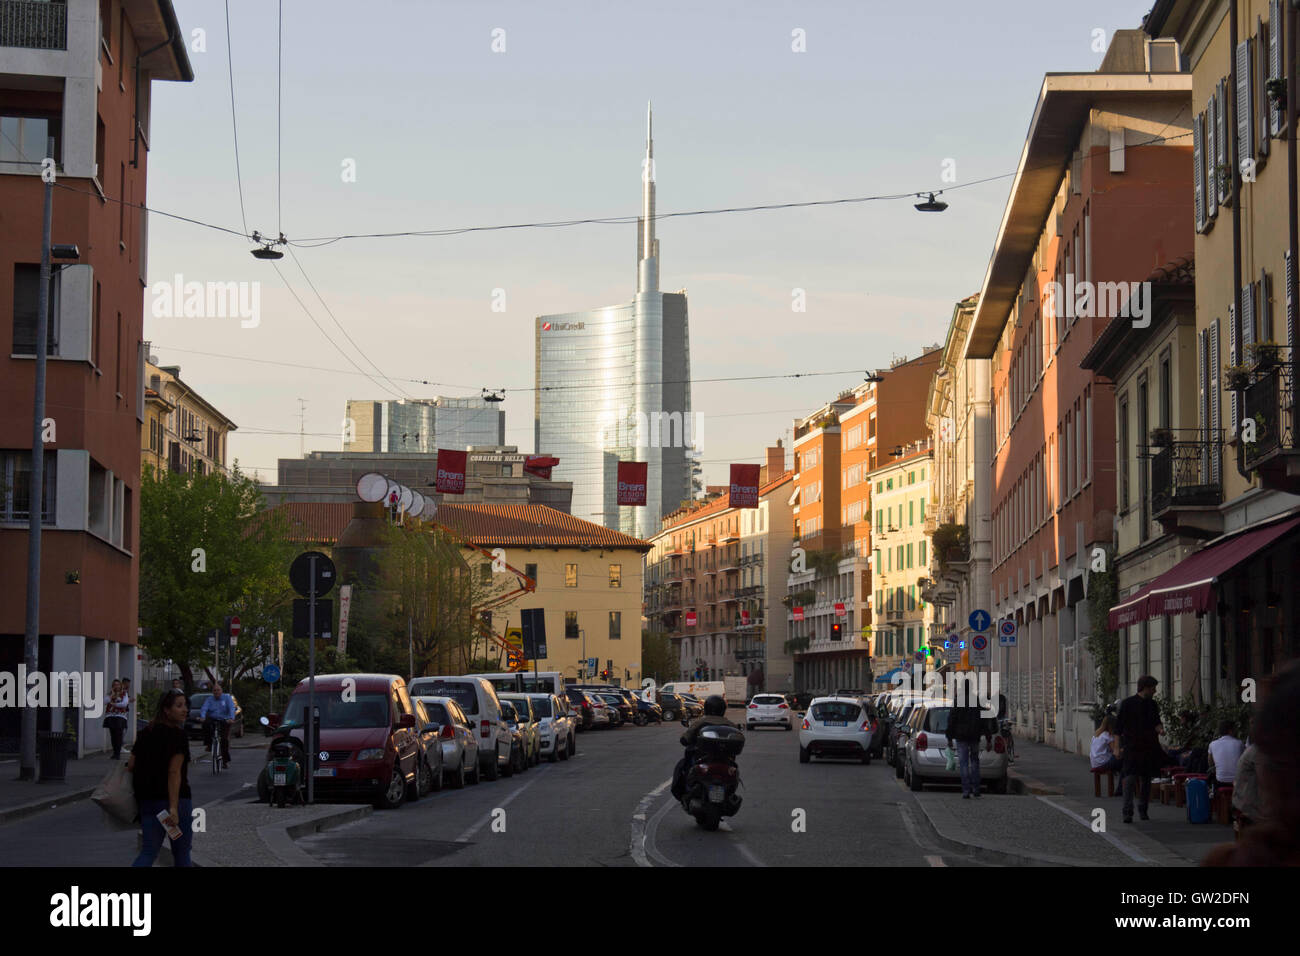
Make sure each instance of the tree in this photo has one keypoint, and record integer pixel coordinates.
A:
(659, 657)
(207, 551)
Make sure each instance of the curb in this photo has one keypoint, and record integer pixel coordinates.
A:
(983, 852)
(280, 840)
(9, 814)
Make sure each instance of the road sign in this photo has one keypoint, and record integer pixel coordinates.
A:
(980, 620)
(981, 655)
(270, 673)
(1007, 633)
(920, 655)
(532, 633)
(300, 573)
(234, 627)
(324, 617)
(952, 655)
(839, 609)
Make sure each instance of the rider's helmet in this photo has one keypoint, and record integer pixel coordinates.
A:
(715, 706)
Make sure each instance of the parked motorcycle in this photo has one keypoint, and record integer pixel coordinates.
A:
(712, 776)
(283, 780)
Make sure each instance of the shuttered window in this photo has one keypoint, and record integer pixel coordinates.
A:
(1222, 184)
(1276, 37)
(1261, 95)
(1245, 103)
(1215, 425)
(1234, 358)
(1198, 170)
(1211, 161)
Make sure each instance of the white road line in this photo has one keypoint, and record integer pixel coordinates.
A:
(469, 834)
(1112, 840)
(935, 861)
(639, 823)
(652, 827)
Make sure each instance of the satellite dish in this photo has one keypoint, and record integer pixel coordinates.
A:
(405, 500)
(430, 509)
(417, 504)
(393, 494)
(372, 487)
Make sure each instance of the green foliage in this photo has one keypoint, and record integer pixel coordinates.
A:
(1205, 726)
(825, 564)
(1103, 643)
(796, 644)
(245, 567)
(950, 542)
(658, 656)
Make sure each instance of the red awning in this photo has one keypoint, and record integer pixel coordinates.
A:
(1188, 587)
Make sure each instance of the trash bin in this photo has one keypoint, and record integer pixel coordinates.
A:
(52, 752)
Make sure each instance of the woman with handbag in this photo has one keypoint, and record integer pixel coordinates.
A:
(115, 716)
(159, 762)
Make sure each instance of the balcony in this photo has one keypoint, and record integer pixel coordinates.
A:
(33, 24)
(1186, 487)
(1269, 401)
(752, 591)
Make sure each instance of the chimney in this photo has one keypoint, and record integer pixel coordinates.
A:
(774, 466)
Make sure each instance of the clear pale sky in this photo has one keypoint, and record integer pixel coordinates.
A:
(446, 133)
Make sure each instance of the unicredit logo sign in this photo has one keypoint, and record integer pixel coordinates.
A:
(563, 326)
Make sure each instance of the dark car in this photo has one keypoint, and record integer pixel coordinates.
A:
(581, 705)
(647, 712)
(194, 723)
(429, 775)
(673, 706)
(694, 706)
(622, 708)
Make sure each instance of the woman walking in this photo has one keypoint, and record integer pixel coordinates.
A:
(159, 764)
(115, 716)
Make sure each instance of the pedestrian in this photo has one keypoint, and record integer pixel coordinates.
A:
(1275, 732)
(1103, 754)
(964, 728)
(1225, 751)
(178, 684)
(1139, 729)
(115, 715)
(159, 767)
(218, 709)
(1245, 794)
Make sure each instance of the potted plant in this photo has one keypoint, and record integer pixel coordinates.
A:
(1264, 355)
(1224, 172)
(1275, 88)
(1236, 378)
(1162, 437)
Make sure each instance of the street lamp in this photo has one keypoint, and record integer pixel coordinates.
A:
(931, 204)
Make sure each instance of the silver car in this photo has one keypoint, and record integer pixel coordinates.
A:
(554, 726)
(924, 759)
(768, 710)
(457, 739)
(836, 727)
(528, 724)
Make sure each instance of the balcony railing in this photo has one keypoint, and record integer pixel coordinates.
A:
(1185, 471)
(33, 25)
(1269, 406)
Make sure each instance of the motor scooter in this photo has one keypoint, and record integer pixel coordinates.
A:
(282, 780)
(712, 776)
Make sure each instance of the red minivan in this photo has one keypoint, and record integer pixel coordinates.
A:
(368, 745)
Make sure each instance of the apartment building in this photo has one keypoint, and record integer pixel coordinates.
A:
(1096, 203)
(715, 576)
(183, 432)
(78, 72)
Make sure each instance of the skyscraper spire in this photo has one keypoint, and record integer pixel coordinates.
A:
(648, 247)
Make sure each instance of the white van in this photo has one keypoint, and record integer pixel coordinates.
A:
(478, 699)
(525, 682)
(697, 688)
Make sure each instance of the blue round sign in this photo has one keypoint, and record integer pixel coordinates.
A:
(980, 620)
(270, 673)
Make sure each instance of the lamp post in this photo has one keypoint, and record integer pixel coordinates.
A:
(582, 668)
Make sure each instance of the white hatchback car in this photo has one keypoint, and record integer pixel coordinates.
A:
(554, 725)
(768, 710)
(836, 727)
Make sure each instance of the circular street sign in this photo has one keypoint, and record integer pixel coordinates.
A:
(300, 575)
(980, 620)
(979, 642)
(270, 673)
(1007, 628)
(404, 501)
(372, 487)
(417, 504)
(234, 627)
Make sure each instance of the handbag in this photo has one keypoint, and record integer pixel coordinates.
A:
(116, 796)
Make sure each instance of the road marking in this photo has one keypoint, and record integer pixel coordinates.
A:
(935, 861)
(1118, 844)
(639, 823)
(469, 834)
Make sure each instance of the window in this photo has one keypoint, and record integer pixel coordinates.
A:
(571, 625)
(616, 575)
(27, 290)
(531, 571)
(570, 575)
(24, 136)
(15, 486)
(921, 549)
(1123, 455)
(615, 625)
(911, 513)
(909, 556)
(485, 572)
(911, 477)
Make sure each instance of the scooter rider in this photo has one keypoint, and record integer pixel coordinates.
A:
(715, 709)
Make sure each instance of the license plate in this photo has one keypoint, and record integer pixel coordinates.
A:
(327, 772)
(717, 794)
(281, 779)
(837, 723)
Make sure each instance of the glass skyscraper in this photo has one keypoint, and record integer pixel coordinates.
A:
(613, 384)
(422, 425)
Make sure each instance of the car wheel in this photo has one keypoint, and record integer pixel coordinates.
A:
(866, 757)
(509, 769)
(554, 755)
(493, 771)
(458, 778)
(670, 714)
(804, 755)
(999, 785)
(573, 748)
(423, 779)
(914, 781)
(788, 727)
(394, 793)
(477, 774)
(436, 784)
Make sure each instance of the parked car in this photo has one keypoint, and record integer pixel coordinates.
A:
(923, 756)
(518, 762)
(194, 723)
(601, 712)
(835, 727)
(368, 746)
(890, 717)
(584, 712)
(673, 706)
(694, 706)
(554, 727)
(429, 776)
(478, 699)
(898, 731)
(648, 711)
(528, 722)
(768, 710)
(621, 712)
(457, 739)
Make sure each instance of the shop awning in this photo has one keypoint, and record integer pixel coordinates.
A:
(1188, 587)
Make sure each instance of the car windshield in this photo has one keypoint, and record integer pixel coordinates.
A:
(542, 707)
(520, 707)
(509, 713)
(836, 710)
(368, 710)
(690, 698)
(437, 713)
(769, 701)
(459, 691)
(197, 701)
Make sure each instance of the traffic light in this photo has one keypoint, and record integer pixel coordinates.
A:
(835, 631)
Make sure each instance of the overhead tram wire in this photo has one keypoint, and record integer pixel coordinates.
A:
(234, 125)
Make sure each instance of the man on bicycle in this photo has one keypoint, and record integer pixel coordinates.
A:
(218, 708)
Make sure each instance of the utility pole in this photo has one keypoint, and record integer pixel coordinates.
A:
(36, 490)
(302, 427)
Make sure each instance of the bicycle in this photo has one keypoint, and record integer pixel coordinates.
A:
(216, 746)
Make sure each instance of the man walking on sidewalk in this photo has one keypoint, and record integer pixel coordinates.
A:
(1139, 729)
(964, 727)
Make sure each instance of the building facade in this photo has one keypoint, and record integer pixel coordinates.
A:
(613, 384)
(183, 432)
(74, 71)
(422, 426)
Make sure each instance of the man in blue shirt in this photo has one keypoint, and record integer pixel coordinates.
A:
(218, 707)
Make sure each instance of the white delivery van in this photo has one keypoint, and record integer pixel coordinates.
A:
(732, 689)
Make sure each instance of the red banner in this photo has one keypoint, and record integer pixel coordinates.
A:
(839, 609)
(744, 486)
(798, 613)
(631, 482)
(744, 618)
(690, 618)
(540, 465)
(451, 472)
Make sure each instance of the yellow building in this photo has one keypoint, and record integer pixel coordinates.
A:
(588, 581)
(181, 432)
(901, 497)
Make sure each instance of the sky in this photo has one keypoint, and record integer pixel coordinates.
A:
(418, 115)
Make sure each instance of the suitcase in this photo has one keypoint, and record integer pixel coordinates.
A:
(1198, 801)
